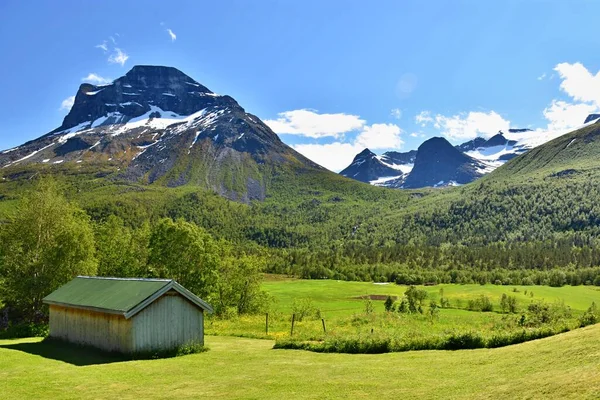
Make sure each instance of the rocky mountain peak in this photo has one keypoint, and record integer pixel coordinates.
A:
(141, 90)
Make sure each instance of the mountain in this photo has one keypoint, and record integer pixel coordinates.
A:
(158, 125)
(388, 169)
(438, 163)
(496, 150)
(591, 118)
(367, 167)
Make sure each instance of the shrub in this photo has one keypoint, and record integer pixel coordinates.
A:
(469, 340)
(389, 304)
(590, 317)
(415, 298)
(304, 308)
(482, 303)
(508, 304)
(24, 330)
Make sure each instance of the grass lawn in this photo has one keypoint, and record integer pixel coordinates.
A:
(565, 366)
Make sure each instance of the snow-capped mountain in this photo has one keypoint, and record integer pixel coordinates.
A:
(388, 169)
(483, 156)
(156, 124)
(496, 150)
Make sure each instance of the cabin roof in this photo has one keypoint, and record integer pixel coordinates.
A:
(124, 296)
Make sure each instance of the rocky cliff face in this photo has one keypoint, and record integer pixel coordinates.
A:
(156, 124)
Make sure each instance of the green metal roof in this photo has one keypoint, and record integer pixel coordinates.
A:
(126, 296)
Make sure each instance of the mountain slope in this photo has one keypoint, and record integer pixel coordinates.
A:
(565, 155)
(156, 124)
(367, 167)
(438, 163)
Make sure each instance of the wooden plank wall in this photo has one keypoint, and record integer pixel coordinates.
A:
(108, 332)
(168, 322)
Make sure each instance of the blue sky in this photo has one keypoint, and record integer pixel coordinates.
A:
(332, 77)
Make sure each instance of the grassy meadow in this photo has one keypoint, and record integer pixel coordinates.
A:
(560, 367)
(343, 307)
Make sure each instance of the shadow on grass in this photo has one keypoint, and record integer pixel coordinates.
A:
(66, 352)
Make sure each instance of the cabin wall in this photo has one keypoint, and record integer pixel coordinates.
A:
(168, 322)
(108, 332)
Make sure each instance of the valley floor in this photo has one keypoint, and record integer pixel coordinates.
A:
(560, 367)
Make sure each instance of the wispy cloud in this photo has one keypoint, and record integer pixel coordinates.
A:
(396, 113)
(103, 46)
(542, 76)
(172, 35)
(96, 79)
(115, 54)
(67, 103)
(118, 56)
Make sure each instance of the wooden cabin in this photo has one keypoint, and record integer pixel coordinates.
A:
(126, 315)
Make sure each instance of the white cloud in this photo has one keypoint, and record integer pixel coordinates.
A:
(562, 115)
(471, 125)
(102, 46)
(67, 103)
(337, 156)
(172, 35)
(579, 83)
(311, 124)
(118, 57)
(333, 156)
(423, 118)
(583, 87)
(396, 113)
(380, 136)
(96, 79)
(542, 76)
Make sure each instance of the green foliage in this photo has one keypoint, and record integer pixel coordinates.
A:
(389, 304)
(305, 309)
(481, 303)
(508, 304)
(24, 330)
(185, 252)
(121, 251)
(238, 285)
(415, 298)
(46, 243)
(369, 308)
(433, 312)
(590, 317)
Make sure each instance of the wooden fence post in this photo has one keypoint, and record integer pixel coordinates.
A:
(324, 329)
(293, 320)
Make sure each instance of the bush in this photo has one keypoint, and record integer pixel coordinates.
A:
(24, 330)
(482, 303)
(590, 317)
(304, 308)
(508, 304)
(389, 304)
(469, 340)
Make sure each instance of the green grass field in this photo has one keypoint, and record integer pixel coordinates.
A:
(339, 298)
(340, 305)
(565, 366)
